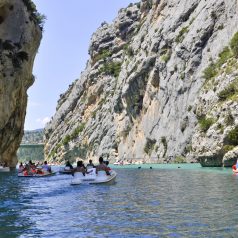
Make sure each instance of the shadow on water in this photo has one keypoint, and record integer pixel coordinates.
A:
(158, 202)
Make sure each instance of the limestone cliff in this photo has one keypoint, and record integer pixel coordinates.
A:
(20, 34)
(145, 93)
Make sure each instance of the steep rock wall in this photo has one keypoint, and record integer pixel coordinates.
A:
(139, 96)
(20, 36)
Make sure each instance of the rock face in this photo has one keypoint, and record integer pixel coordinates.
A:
(20, 35)
(145, 94)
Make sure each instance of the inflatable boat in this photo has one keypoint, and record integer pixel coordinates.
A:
(36, 175)
(66, 170)
(94, 178)
(4, 169)
(234, 169)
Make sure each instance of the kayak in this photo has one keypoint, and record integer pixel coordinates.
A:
(92, 178)
(45, 174)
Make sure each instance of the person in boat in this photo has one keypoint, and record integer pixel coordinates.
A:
(102, 166)
(68, 166)
(90, 164)
(27, 170)
(235, 166)
(80, 167)
(21, 168)
(46, 167)
(107, 164)
(32, 167)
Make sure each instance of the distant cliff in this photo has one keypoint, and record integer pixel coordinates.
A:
(160, 86)
(33, 137)
(20, 35)
(32, 147)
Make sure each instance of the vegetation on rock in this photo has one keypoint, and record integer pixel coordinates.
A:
(232, 137)
(35, 16)
(205, 123)
(181, 34)
(234, 44)
(229, 91)
(164, 142)
(180, 160)
(149, 146)
(228, 52)
(111, 68)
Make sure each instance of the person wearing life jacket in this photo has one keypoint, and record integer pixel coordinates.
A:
(32, 167)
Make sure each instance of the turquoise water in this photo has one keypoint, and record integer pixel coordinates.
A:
(193, 167)
(165, 201)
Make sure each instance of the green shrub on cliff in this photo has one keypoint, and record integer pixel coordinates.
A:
(227, 148)
(210, 71)
(181, 35)
(165, 144)
(180, 160)
(66, 140)
(213, 69)
(128, 50)
(103, 55)
(205, 123)
(77, 130)
(111, 68)
(74, 134)
(165, 57)
(149, 146)
(234, 44)
(224, 56)
(229, 119)
(35, 16)
(228, 92)
(232, 137)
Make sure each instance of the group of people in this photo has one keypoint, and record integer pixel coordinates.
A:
(102, 166)
(31, 168)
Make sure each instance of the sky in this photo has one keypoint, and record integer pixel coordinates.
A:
(63, 52)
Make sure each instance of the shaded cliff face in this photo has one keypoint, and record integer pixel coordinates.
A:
(20, 37)
(143, 93)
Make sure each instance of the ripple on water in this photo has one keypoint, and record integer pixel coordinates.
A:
(143, 203)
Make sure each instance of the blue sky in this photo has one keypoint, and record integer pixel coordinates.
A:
(63, 52)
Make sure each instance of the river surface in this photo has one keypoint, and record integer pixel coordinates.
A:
(165, 201)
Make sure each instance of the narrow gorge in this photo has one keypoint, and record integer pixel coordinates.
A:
(20, 35)
(160, 86)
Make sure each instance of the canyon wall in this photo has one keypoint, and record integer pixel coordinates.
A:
(20, 35)
(147, 93)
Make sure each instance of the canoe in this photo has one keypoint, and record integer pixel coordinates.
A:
(37, 175)
(92, 178)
